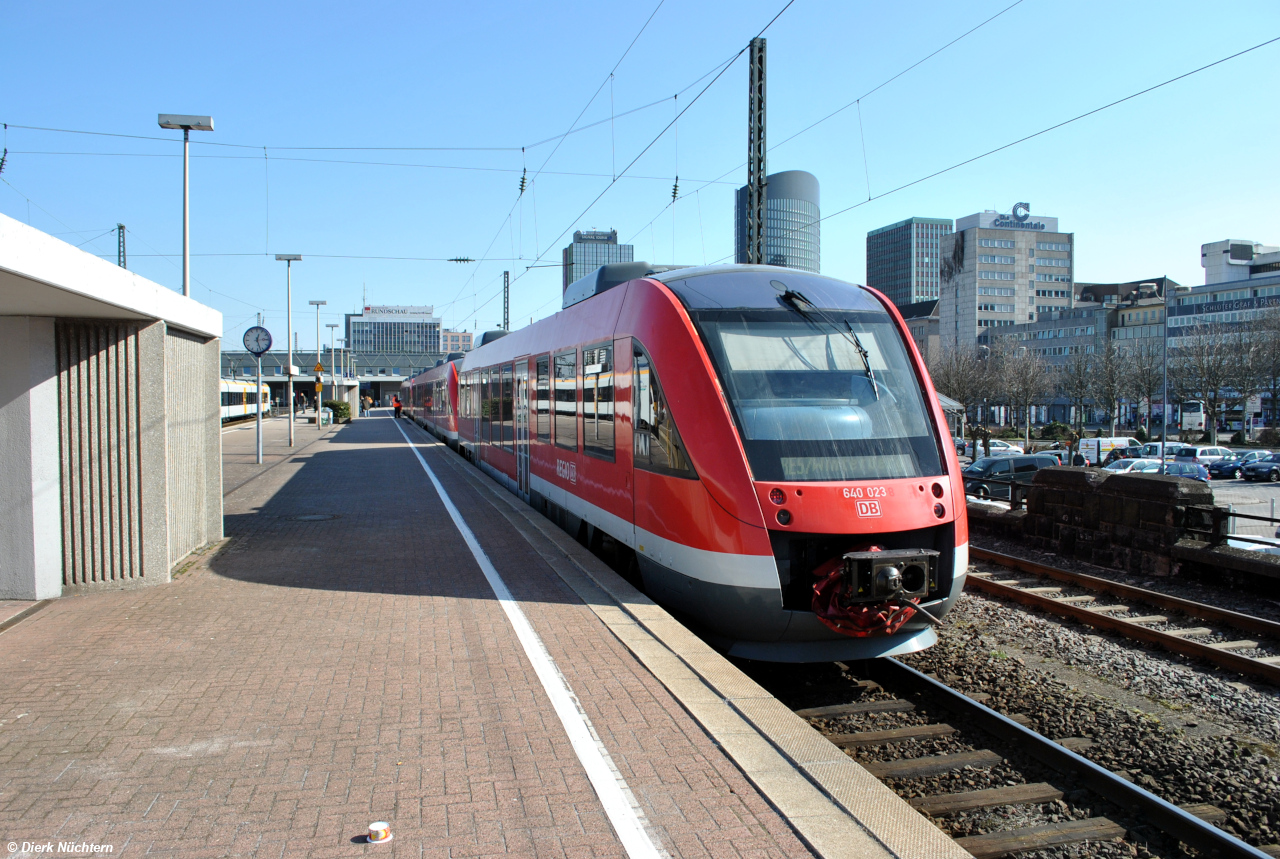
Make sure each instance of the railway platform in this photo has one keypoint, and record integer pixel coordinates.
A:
(386, 635)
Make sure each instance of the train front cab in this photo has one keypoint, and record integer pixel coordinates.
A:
(844, 456)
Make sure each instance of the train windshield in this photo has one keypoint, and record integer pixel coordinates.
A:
(824, 395)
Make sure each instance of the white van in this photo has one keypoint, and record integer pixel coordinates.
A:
(1095, 450)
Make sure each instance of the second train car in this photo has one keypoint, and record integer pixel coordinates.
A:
(761, 446)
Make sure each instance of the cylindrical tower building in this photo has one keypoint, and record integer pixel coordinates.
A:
(792, 231)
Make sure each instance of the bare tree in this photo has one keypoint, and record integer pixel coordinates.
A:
(1021, 379)
(961, 372)
(1207, 365)
(1146, 373)
(1266, 337)
(1074, 380)
(1110, 378)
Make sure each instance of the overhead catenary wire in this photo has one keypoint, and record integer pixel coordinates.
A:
(461, 167)
(869, 92)
(543, 142)
(659, 136)
(1031, 136)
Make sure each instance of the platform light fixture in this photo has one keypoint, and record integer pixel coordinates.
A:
(318, 305)
(188, 124)
(289, 260)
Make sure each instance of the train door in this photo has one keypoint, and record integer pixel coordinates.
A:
(522, 428)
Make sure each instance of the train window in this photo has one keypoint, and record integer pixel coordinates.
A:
(508, 422)
(822, 394)
(597, 401)
(485, 405)
(657, 441)
(542, 399)
(567, 400)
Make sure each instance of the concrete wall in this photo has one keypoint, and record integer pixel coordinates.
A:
(111, 451)
(100, 451)
(30, 520)
(193, 422)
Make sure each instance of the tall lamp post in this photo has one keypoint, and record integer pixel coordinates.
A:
(318, 305)
(333, 360)
(289, 260)
(187, 124)
(1164, 418)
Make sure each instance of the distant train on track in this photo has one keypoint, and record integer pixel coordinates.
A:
(759, 448)
(242, 399)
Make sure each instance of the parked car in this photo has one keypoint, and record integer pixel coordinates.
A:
(1016, 468)
(999, 447)
(1096, 450)
(1200, 455)
(1136, 466)
(1061, 454)
(1152, 449)
(1193, 470)
(1233, 465)
(1267, 468)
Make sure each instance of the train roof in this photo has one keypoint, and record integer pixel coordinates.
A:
(715, 287)
(727, 286)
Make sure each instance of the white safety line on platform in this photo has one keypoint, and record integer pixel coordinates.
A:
(250, 425)
(619, 802)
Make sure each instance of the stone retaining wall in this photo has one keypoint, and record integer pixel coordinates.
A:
(1146, 524)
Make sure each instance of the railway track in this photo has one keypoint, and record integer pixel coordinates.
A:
(980, 738)
(1237, 642)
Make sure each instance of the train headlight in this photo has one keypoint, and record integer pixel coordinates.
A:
(784, 517)
(777, 496)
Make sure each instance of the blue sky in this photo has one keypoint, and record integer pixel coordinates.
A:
(1142, 184)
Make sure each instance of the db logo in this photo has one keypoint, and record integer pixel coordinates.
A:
(569, 471)
(868, 508)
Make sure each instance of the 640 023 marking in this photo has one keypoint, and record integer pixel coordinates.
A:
(867, 492)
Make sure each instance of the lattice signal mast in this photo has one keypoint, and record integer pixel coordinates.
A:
(757, 185)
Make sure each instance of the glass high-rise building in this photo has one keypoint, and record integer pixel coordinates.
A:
(903, 259)
(590, 250)
(792, 234)
(393, 329)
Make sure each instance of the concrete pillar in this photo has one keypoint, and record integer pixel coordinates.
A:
(30, 503)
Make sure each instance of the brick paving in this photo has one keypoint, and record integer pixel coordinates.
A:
(321, 673)
(239, 447)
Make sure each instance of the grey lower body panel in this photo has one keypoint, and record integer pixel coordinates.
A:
(751, 622)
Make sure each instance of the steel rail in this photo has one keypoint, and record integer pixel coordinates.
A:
(1222, 658)
(1244, 622)
(1142, 804)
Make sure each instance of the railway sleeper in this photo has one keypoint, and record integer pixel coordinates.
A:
(1080, 600)
(932, 765)
(856, 708)
(975, 800)
(862, 739)
(996, 844)
(1189, 632)
(1234, 645)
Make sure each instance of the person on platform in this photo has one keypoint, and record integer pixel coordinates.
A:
(395, 403)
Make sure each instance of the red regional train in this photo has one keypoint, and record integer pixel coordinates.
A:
(761, 449)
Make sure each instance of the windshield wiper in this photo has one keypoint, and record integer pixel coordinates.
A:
(866, 361)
